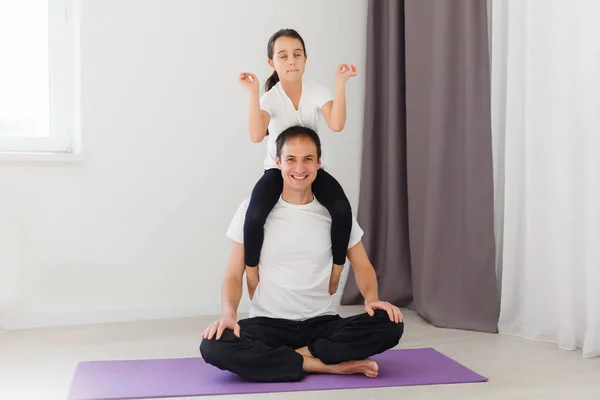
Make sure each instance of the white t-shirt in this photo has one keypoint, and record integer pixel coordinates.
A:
(295, 261)
(283, 114)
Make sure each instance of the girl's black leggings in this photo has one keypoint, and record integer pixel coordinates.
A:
(265, 195)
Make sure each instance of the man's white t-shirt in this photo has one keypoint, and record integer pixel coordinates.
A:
(295, 261)
(283, 114)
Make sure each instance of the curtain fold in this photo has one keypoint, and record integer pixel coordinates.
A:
(427, 180)
(546, 107)
(383, 200)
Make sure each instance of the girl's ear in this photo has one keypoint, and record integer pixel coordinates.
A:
(271, 64)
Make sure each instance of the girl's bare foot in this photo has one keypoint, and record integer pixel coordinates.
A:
(367, 367)
(334, 279)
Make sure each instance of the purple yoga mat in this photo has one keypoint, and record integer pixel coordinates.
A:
(183, 377)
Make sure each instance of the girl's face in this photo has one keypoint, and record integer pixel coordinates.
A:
(289, 59)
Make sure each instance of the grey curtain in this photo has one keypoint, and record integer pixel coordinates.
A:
(426, 199)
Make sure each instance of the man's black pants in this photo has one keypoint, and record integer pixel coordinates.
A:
(265, 350)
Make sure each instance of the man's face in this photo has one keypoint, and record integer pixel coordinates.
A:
(299, 163)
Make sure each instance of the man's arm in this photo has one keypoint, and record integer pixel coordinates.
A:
(366, 279)
(231, 289)
(231, 294)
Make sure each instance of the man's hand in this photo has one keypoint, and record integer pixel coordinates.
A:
(393, 311)
(226, 321)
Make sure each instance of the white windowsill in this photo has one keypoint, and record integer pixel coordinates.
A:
(43, 157)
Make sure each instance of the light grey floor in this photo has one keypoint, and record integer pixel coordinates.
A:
(39, 364)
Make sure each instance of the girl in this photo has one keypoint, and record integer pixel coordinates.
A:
(289, 101)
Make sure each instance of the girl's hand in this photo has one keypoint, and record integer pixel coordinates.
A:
(345, 71)
(249, 81)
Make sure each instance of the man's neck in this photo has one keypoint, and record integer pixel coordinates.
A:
(297, 197)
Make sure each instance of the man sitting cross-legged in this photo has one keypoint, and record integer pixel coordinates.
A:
(293, 327)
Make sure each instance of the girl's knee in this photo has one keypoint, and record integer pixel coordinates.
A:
(256, 216)
(341, 209)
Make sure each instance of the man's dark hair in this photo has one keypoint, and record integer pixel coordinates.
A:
(296, 132)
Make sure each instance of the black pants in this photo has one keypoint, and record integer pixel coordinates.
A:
(265, 195)
(265, 350)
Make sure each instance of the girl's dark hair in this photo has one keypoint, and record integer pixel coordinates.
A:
(291, 33)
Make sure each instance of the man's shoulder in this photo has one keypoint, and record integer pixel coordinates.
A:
(318, 207)
(240, 212)
(304, 214)
(236, 225)
(243, 206)
(314, 207)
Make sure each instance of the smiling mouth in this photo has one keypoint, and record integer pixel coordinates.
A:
(300, 177)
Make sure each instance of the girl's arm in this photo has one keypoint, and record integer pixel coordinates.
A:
(258, 119)
(334, 111)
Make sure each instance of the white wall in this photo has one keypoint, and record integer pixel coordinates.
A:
(136, 230)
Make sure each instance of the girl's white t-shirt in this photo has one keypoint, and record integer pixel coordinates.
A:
(284, 115)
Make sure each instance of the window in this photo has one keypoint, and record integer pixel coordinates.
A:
(38, 76)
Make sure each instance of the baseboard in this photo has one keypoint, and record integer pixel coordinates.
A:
(45, 319)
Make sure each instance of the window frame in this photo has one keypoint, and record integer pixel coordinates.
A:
(64, 74)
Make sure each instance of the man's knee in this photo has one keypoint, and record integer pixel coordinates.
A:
(209, 350)
(395, 332)
(392, 331)
(215, 351)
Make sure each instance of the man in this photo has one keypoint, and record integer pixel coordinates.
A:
(293, 328)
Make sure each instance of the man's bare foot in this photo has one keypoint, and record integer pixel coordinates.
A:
(304, 351)
(311, 364)
(367, 367)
